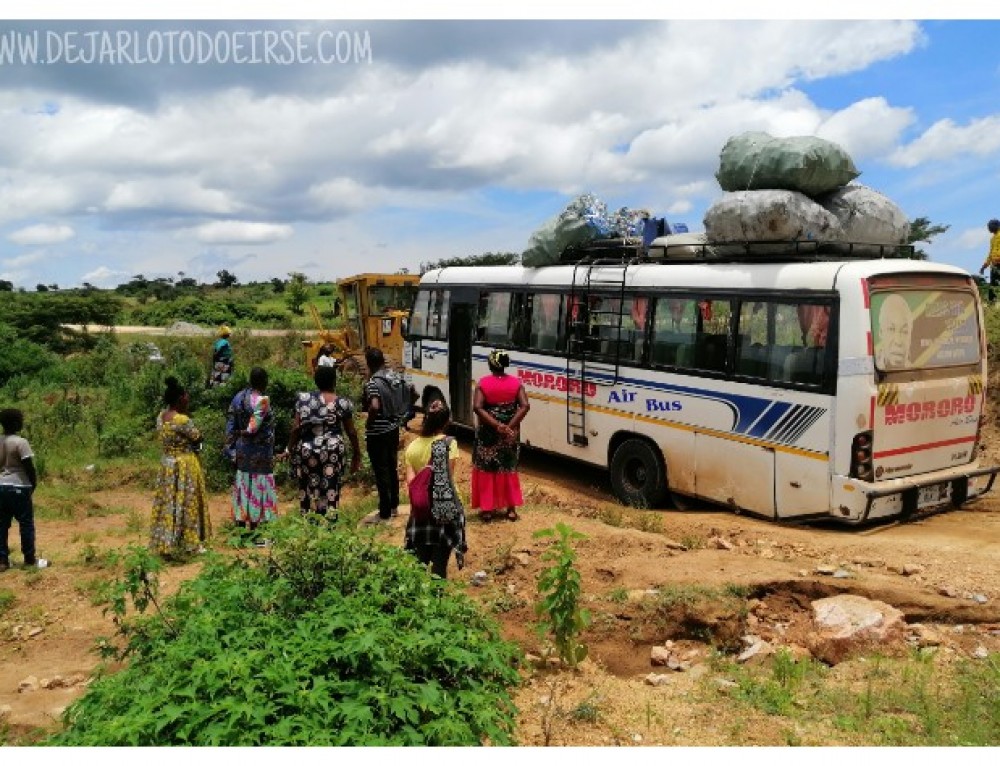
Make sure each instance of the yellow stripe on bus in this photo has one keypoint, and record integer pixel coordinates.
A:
(655, 421)
(693, 429)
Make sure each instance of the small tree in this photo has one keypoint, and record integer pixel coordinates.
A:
(226, 279)
(483, 259)
(562, 618)
(922, 230)
(297, 291)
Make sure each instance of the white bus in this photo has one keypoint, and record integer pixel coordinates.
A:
(795, 388)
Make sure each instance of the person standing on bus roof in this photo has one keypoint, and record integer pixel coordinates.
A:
(993, 256)
(500, 404)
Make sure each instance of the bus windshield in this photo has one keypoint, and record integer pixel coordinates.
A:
(924, 328)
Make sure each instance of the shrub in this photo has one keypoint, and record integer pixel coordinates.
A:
(333, 639)
(562, 617)
(119, 436)
(19, 356)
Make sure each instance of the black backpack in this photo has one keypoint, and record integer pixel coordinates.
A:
(394, 396)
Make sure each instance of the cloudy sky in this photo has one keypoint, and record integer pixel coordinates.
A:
(337, 147)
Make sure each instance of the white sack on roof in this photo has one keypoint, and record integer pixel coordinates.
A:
(769, 215)
(868, 216)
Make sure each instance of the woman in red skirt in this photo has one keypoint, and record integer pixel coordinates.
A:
(500, 405)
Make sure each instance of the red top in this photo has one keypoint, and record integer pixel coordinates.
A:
(499, 389)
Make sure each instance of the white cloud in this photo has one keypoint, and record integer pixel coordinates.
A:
(170, 194)
(42, 234)
(866, 128)
(945, 139)
(103, 276)
(341, 195)
(241, 232)
(27, 259)
(33, 193)
(969, 239)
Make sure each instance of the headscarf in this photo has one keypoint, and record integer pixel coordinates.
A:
(498, 360)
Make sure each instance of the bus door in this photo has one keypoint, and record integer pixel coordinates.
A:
(929, 377)
(461, 330)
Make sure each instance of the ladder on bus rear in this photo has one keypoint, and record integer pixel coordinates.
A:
(580, 362)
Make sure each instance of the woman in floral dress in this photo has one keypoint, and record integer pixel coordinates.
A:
(316, 444)
(180, 524)
(250, 445)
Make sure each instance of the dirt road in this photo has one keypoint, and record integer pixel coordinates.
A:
(942, 572)
(174, 330)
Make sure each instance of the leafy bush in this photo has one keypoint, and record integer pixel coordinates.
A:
(19, 356)
(119, 436)
(332, 639)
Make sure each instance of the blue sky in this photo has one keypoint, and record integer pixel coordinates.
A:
(432, 139)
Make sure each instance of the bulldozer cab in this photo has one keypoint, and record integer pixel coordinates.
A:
(372, 308)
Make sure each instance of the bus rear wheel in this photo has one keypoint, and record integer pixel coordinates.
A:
(638, 476)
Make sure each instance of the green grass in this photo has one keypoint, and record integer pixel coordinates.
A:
(617, 595)
(912, 701)
(693, 542)
(94, 589)
(649, 522)
(108, 510)
(7, 600)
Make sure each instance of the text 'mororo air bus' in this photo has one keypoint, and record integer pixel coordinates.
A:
(782, 383)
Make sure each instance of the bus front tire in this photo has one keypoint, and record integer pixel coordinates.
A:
(638, 475)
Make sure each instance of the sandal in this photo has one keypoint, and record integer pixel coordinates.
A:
(511, 514)
(486, 515)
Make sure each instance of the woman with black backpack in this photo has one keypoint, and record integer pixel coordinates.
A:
(436, 526)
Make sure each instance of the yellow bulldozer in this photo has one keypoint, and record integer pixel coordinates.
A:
(373, 308)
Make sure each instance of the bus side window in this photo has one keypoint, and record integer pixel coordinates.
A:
(805, 366)
(430, 314)
(672, 340)
(418, 318)
(519, 321)
(544, 326)
(800, 332)
(751, 340)
(494, 322)
(712, 342)
(444, 306)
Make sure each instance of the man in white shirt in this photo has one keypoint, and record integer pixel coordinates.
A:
(17, 484)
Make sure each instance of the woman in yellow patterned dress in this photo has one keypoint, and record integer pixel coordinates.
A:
(181, 523)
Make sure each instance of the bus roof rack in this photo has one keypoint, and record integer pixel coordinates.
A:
(622, 249)
(626, 250)
(780, 251)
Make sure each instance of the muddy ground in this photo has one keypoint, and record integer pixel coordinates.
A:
(941, 572)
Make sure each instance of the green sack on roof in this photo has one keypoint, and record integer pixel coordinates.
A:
(804, 164)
